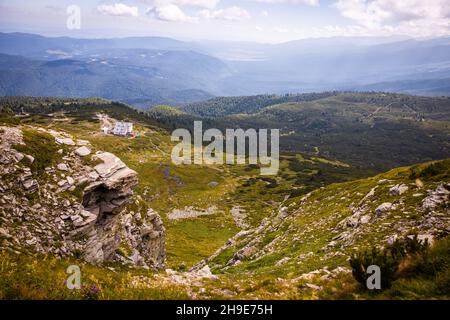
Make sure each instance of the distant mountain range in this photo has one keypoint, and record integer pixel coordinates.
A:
(146, 71)
(374, 131)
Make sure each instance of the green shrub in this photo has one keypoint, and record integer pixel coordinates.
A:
(384, 259)
(387, 259)
(42, 147)
(436, 170)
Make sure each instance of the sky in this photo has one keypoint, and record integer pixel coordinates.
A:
(268, 21)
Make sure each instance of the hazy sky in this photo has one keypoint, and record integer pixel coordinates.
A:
(252, 20)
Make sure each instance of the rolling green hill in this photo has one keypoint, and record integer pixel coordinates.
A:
(224, 106)
(374, 131)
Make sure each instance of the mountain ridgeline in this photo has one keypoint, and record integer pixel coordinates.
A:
(147, 71)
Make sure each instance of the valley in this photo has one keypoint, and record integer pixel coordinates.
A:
(229, 232)
(370, 131)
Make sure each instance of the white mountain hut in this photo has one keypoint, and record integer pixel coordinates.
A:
(123, 128)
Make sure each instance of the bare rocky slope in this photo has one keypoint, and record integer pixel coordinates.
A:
(330, 223)
(70, 201)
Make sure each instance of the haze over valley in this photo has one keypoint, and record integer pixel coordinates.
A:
(148, 71)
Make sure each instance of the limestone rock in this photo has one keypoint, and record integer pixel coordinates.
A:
(398, 189)
(365, 219)
(62, 183)
(239, 215)
(82, 142)
(70, 180)
(436, 197)
(111, 164)
(66, 141)
(4, 233)
(62, 167)
(370, 194)
(205, 272)
(148, 239)
(93, 175)
(30, 158)
(383, 208)
(18, 156)
(82, 151)
(429, 238)
(190, 212)
(392, 239)
(282, 261)
(27, 181)
(313, 286)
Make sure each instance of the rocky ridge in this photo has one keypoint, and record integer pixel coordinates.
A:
(76, 207)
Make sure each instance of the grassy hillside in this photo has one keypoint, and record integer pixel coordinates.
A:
(374, 131)
(318, 222)
(287, 236)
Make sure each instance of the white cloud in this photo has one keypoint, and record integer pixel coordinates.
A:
(307, 2)
(377, 13)
(280, 30)
(368, 14)
(172, 10)
(414, 18)
(171, 13)
(118, 9)
(232, 13)
(208, 4)
(264, 13)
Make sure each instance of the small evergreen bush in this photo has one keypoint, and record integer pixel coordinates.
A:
(387, 259)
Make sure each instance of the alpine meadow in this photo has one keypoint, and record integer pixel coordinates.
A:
(225, 150)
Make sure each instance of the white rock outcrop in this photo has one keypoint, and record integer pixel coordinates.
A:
(436, 197)
(82, 151)
(87, 223)
(383, 208)
(398, 189)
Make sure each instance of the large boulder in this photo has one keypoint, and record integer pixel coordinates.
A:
(82, 151)
(28, 183)
(81, 214)
(66, 141)
(105, 226)
(110, 165)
